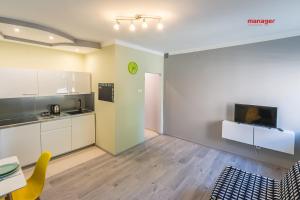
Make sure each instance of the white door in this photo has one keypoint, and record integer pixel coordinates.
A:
(79, 82)
(83, 131)
(21, 141)
(18, 83)
(52, 83)
(153, 102)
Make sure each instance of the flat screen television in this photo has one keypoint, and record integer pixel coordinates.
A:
(257, 115)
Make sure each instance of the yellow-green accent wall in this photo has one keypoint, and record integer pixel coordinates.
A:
(129, 94)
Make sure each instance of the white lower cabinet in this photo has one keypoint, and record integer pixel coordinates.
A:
(83, 131)
(56, 136)
(21, 141)
(55, 124)
(57, 141)
(237, 132)
(271, 138)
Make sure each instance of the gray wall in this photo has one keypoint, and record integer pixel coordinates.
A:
(202, 87)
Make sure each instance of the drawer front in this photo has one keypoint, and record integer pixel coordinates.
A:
(274, 139)
(57, 141)
(237, 132)
(55, 124)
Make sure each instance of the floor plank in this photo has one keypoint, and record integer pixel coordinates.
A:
(161, 168)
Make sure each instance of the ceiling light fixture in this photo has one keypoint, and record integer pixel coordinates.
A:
(160, 26)
(51, 37)
(17, 30)
(144, 24)
(138, 18)
(117, 26)
(132, 27)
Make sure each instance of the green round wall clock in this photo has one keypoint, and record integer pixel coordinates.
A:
(133, 67)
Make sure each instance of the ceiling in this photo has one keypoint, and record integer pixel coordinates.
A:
(189, 25)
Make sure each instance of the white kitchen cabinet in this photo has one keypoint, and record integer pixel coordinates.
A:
(55, 124)
(21, 141)
(237, 132)
(27, 83)
(275, 139)
(18, 83)
(56, 136)
(79, 82)
(52, 83)
(57, 141)
(83, 131)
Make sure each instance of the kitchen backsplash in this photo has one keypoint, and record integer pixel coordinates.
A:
(15, 107)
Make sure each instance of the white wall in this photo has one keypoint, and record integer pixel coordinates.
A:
(153, 102)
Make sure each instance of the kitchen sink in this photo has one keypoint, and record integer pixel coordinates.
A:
(76, 112)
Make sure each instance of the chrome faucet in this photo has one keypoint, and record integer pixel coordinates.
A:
(80, 105)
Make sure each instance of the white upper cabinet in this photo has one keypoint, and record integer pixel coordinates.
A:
(52, 83)
(79, 82)
(18, 83)
(63, 83)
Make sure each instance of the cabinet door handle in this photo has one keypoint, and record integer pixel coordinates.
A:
(61, 93)
(27, 94)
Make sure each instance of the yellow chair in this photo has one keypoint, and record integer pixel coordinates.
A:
(35, 183)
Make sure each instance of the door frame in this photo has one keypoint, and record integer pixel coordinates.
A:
(161, 131)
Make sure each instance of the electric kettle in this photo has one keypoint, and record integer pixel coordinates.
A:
(55, 109)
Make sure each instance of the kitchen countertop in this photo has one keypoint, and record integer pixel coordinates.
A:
(32, 119)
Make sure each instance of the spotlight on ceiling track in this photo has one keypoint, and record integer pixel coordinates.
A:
(117, 26)
(17, 30)
(132, 27)
(144, 19)
(144, 24)
(160, 26)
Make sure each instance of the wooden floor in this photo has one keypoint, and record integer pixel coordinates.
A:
(161, 168)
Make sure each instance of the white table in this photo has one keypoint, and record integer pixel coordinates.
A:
(14, 182)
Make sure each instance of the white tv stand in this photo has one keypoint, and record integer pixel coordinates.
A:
(269, 138)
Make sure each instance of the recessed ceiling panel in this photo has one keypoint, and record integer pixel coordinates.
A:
(27, 32)
(32, 34)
